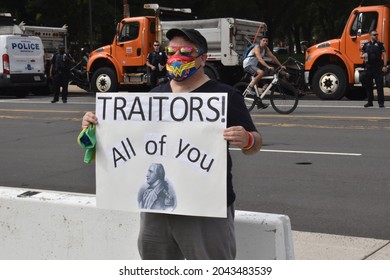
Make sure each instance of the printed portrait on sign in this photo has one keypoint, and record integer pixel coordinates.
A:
(157, 193)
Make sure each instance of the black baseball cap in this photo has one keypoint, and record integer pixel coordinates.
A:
(193, 35)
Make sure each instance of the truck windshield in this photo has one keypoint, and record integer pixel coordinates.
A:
(130, 31)
(364, 23)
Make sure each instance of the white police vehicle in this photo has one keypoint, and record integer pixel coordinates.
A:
(22, 68)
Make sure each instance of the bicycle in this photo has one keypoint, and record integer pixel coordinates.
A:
(283, 96)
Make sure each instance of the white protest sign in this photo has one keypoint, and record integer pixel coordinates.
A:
(162, 152)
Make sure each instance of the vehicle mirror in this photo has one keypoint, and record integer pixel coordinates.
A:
(118, 32)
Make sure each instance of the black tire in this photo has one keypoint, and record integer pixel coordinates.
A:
(104, 80)
(330, 82)
(284, 97)
(22, 93)
(358, 93)
(208, 70)
(249, 100)
(45, 90)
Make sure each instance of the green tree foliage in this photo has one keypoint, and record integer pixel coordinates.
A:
(288, 21)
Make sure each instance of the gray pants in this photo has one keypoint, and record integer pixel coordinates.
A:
(175, 237)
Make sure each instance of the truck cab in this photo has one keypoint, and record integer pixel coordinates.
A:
(123, 62)
(332, 68)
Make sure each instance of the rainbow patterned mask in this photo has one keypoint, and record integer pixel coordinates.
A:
(181, 67)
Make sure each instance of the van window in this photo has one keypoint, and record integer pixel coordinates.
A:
(130, 31)
(364, 23)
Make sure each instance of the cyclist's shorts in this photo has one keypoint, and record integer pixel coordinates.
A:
(252, 70)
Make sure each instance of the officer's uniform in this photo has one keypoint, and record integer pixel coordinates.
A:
(61, 64)
(157, 59)
(373, 59)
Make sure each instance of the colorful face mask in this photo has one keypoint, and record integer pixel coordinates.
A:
(181, 67)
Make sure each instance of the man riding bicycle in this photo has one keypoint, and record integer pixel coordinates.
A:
(257, 57)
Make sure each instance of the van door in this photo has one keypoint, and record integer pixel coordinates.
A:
(26, 55)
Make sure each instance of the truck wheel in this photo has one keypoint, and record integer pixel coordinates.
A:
(104, 80)
(211, 72)
(329, 82)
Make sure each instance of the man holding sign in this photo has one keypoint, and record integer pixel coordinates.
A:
(164, 236)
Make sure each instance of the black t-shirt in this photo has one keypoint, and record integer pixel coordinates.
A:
(237, 115)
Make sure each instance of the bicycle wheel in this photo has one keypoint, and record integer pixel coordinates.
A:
(249, 99)
(284, 97)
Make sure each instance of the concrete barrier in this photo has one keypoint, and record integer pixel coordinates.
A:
(39, 225)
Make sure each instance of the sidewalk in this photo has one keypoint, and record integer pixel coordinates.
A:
(320, 246)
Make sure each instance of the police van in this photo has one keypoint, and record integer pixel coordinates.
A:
(22, 68)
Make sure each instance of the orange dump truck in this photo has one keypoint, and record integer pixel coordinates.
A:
(122, 64)
(332, 68)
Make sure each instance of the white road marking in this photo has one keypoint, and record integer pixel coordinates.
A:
(304, 152)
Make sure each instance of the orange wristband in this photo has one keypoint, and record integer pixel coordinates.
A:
(251, 141)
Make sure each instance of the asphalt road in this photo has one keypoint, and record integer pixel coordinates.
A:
(325, 166)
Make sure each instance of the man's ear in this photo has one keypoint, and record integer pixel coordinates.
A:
(204, 58)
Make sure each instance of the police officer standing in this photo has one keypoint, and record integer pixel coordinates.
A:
(60, 73)
(156, 61)
(373, 52)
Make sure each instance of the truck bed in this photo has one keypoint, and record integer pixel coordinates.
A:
(227, 37)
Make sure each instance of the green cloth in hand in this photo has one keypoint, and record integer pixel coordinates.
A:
(87, 140)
